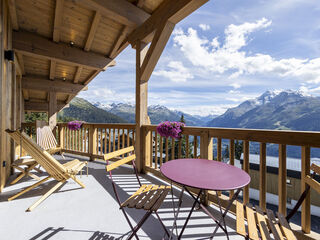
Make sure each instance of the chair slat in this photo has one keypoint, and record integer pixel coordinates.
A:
(312, 183)
(315, 168)
(154, 198)
(165, 192)
(274, 226)
(252, 224)
(135, 200)
(241, 229)
(285, 227)
(118, 153)
(147, 197)
(262, 224)
(120, 162)
(125, 203)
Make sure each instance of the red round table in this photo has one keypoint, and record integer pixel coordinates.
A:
(205, 175)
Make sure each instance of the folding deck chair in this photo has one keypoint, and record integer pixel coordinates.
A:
(57, 171)
(263, 225)
(147, 197)
(46, 139)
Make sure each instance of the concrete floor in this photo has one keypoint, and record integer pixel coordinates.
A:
(93, 213)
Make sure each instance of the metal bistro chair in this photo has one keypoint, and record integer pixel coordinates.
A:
(263, 225)
(147, 197)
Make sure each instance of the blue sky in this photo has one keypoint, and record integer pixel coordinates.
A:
(224, 53)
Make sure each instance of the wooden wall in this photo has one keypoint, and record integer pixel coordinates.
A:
(10, 96)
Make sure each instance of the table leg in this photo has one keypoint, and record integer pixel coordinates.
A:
(188, 218)
(174, 212)
(222, 218)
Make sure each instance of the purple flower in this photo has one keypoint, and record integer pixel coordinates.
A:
(170, 129)
(74, 125)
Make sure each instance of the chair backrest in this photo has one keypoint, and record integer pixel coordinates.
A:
(49, 163)
(129, 151)
(122, 161)
(311, 183)
(45, 137)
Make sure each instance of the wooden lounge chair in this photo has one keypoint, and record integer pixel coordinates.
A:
(263, 225)
(59, 172)
(46, 139)
(147, 197)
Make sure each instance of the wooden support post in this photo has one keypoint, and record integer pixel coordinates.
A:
(206, 152)
(52, 116)
(92, 141)
(246, 167)
(141, 106)
(263, 177)
(61, 136)
(305, 208)
(282, 179)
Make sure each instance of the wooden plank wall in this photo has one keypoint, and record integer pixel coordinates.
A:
(11, 107)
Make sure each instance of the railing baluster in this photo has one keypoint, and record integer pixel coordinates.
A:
(161, 150)
(306, 205)
(114, 139)
(246, 168)
(282, 179)
(151, 148)
(219, 151)
(231, 159)
(187, 146)
(263, 176)
(167, 151)
(195, 146)
(172, 148)
(156, 150)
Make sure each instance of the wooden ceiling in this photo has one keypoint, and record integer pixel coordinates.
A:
(61, 45)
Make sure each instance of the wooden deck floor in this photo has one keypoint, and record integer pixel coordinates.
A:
(93, 213)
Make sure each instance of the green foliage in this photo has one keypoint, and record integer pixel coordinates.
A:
(238, 149)
(32, 117)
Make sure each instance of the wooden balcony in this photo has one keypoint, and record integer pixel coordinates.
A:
(93, 140)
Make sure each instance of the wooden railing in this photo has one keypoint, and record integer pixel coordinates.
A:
(30, 129)
(207, 143)
(94, 140)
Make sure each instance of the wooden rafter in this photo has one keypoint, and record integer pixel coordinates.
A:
(41, 106)
(93, 29)
(77, 75)
(117, 46)
(52, 69)
(21, 62)
(57, 20)
(13, 14)
(70, 97)
(42, 84)
(121, 10)
(158, 43)
(91, 77)
(172, 11)
(25, 94)
(140, 3)
(35, 45)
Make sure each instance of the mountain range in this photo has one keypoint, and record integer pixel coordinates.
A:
(286, 110)
(157, 114)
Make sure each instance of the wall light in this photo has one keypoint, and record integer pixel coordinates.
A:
(9, 55)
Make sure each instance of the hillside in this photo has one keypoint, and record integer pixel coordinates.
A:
(285, 110)
(157, 114)
(80, 109)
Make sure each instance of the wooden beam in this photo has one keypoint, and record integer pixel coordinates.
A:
(77, 75)
(159, 42)
(25, 94)
(35, 45)
(52, 73)
(13, 14)
(140, 3)
(17, 66)
(40, 106)
(21, 62)
(91, 77)
(52, 111)
(172, 11)
(58, 15)
(115, 49)
(58, 86)
(93, 29)
(120, 10)
(70, 97)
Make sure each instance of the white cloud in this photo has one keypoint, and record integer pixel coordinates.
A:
(176, 73)
(204, 27)
(229, 58)
(235, 85)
